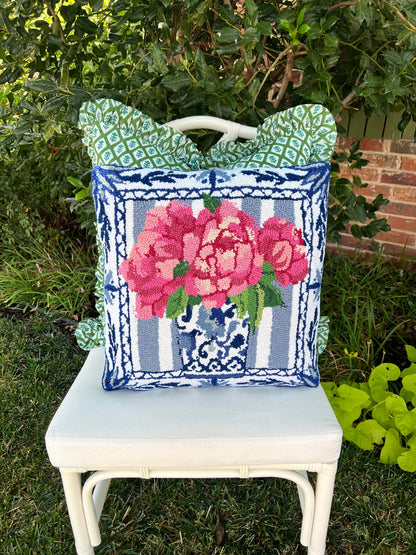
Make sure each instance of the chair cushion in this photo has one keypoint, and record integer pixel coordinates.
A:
(189, 427)
(211, 277)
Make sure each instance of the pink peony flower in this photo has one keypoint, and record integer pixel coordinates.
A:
(148, 269)
(282, 245)
(223, 255)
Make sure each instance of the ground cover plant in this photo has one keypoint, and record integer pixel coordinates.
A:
(373, 509)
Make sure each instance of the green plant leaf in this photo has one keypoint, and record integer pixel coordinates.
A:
(368, 433)
(408, 391)
(392, 447)
(406, 422)
(41, 85)
(330, 389)
(404, 419)
(177, 81)
(411, 353)
(379, 378)
(349, 398)
(410, 370)
(346, 418)
(176, 303)
(411, 356)
(407, 460)
(382, 416)
(396, 404)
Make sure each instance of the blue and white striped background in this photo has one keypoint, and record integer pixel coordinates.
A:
(144, 353)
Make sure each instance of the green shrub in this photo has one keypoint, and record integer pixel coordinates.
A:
(174, 58)
(381, 411)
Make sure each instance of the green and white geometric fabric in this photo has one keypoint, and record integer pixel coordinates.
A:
(295, 137)
(116, 134)
(119, 135)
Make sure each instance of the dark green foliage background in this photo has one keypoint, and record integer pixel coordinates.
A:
(175, 58)
(240, 60)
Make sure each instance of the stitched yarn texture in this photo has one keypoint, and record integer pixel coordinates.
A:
(149, 343)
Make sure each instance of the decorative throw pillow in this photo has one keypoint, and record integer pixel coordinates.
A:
(211, 277)
(121, 135)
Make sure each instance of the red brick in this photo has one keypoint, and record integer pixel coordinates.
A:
(403, 147)
(400, 209)
(408, 163)
(405, 194)
(389, 161)
(367, 250)
(365, 174)
(401, 178)
(368, 174)
(372, 144)
(396, 237)
(398, 223)
(407, 246)
(375, 189)
(399, 250)
(350, 241)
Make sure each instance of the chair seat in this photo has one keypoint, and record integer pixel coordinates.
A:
(171, 428)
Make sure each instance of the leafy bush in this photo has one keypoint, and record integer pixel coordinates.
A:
(381, 411)
(174, 58)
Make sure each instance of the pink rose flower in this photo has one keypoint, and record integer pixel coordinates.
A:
(148, 269)
(223, 255)
(282, 245)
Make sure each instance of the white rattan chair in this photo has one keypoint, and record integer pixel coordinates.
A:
(206, 432)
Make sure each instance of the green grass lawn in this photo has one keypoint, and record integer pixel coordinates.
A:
(374, 508)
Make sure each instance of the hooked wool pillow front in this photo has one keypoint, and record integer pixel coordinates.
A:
(211, 277)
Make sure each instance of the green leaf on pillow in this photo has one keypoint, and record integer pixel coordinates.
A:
(211, 203)
(268, 273)
(272, 295)
(241, 302)
(253, 307)
(194, 301)
(176, 303)
(181, 268)
(260, 306)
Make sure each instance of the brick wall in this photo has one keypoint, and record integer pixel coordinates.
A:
(392, 172)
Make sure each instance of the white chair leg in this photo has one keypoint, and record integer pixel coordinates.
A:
(71, 481)
(323, 500)
(99, 495)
